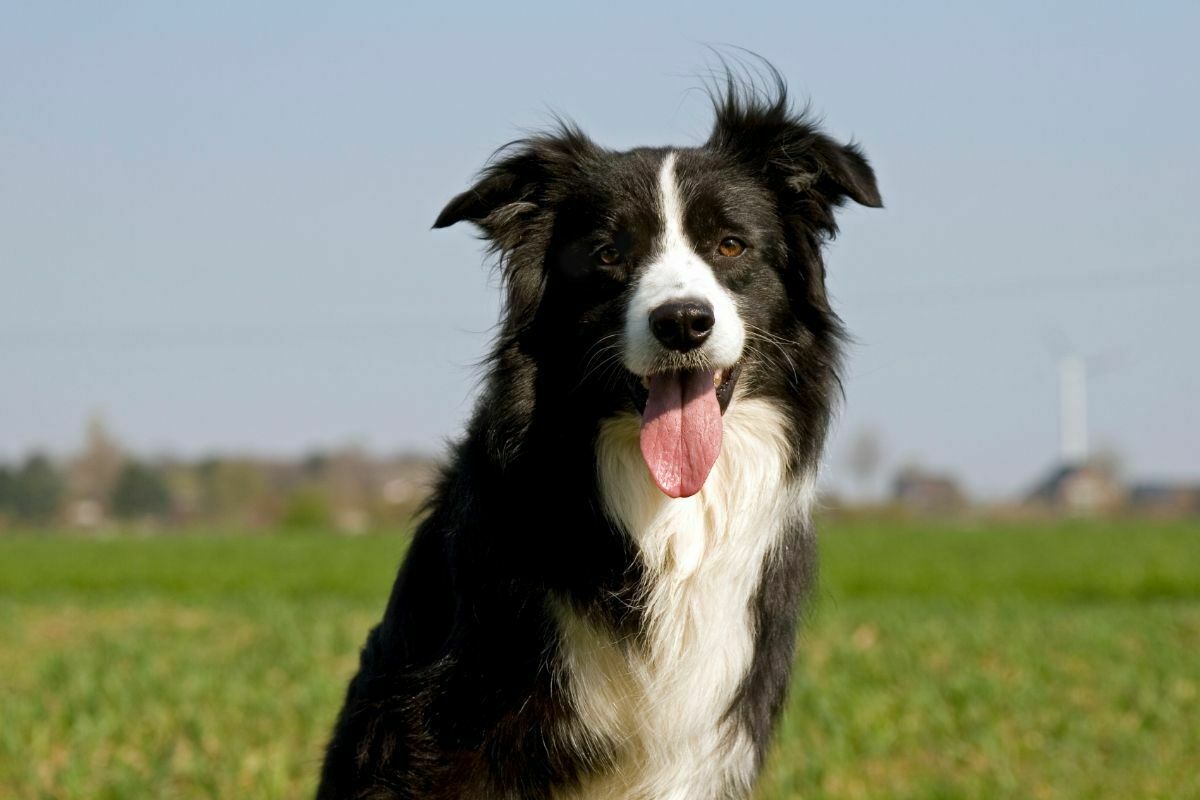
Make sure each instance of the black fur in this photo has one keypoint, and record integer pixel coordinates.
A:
(456, 696)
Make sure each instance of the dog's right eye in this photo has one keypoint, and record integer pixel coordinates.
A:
(609, 256)
(731, 247)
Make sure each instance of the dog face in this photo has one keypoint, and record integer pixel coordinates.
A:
(663, 282)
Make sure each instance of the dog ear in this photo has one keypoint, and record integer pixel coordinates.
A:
(845, 170)
(504, 185)
(517, 184)
(810, 172)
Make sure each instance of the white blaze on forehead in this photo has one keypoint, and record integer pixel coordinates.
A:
(678, 273)
(672, 208)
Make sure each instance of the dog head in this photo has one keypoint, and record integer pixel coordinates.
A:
(671, 282)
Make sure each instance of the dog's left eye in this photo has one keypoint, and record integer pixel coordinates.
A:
(609, 256)
(731, 247)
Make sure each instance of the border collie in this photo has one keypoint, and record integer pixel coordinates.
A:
(602, 600)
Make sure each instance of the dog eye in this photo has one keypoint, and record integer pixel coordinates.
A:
(609, 256)
(731, 247)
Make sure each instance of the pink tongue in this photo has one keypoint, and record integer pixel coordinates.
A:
(681, 431)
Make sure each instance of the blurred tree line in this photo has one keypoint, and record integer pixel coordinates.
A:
(347, 490)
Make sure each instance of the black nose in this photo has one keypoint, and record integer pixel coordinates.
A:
(682, 325)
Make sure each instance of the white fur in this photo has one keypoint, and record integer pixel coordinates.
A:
(678, 273)
(663, 704)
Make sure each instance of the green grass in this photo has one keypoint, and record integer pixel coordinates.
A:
(939, 661)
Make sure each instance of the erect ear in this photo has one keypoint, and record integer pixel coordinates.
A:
(516, 184)
(812, 173)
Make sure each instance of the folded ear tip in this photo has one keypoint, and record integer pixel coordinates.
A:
(455, 211)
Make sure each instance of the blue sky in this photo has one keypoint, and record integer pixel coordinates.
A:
(214, 221)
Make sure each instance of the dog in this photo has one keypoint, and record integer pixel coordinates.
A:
(602, 599)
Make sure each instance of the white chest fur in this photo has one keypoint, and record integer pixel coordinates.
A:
(662, 703)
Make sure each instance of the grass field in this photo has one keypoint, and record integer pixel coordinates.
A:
(940, 661)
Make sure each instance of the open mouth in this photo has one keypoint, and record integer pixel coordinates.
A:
(723, 382)
(681, 424)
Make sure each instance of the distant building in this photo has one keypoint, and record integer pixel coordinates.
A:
(926, 492)
(1078, 489)
(1164, 499)
(1082, 484)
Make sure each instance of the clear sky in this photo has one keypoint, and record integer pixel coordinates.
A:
(214, 220)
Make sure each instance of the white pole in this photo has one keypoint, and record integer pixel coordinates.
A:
(1072, 399)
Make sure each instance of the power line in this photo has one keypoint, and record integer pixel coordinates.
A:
(1031, 288)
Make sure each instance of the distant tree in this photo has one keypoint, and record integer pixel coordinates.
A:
(185, 488)
(140, 492)
(314, 464)
(307, 510)
(37, 490)
(350, 486)
(864, 457)
(94, 472)
(235, 491)
(6, 490)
